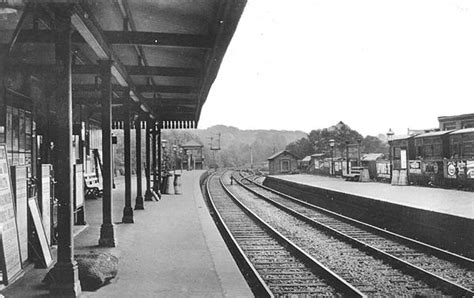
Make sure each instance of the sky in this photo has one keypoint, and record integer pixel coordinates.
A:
(373, 64)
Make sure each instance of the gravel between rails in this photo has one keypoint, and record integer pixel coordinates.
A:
(423, 259)
(371, 275)
(285, 275)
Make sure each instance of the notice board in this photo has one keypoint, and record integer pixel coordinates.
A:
(46, 199)
(9, 242)
(18, 176)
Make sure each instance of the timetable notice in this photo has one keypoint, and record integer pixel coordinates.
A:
(10, 251)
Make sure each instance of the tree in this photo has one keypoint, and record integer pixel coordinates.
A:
(317, 141)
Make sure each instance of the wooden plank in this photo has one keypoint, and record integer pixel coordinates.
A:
(9, 243)
(45, 252)
(125, 37)
(46, 199)
(93, 69)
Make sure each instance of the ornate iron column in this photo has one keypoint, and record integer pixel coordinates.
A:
(139, 200)
(107, 237)
(65, 273)
(156, 185)
(148, 193)
(127, 210)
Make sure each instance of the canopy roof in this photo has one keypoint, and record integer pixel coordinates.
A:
(282, 152)
(191, 145)
(166, 53)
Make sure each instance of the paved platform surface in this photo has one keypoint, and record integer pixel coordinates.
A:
(447, 201)
(172, 250)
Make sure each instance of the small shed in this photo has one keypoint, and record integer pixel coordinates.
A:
(283, 162)
(192, 155)
(305, 162)
(369, 161)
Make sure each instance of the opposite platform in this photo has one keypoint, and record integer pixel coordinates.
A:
(172, 250)
(441, 217)
(446, 201)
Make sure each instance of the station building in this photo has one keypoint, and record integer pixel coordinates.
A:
(71, 71)
(283, 162)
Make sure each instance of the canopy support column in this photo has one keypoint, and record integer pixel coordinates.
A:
(127, 210)
(148, 193)
(160, 158)
(65, 273)
(138, 139)
(107, 238)
(156, 185)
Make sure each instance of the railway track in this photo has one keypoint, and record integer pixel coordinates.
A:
(274, 265)
(442, 270)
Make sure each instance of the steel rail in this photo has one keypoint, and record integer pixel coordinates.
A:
(338, 281)
(413, 269)
(256, 282)
(461, 260)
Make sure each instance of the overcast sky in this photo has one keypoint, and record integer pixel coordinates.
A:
(374, 64)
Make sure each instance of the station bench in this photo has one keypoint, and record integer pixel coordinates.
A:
(92, 186)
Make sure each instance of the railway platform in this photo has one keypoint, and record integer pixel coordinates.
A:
(442, 217)
(172, 250)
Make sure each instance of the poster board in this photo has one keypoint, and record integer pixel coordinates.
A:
(46, 199)
(19, 186)
(45, 252)
(9, 243)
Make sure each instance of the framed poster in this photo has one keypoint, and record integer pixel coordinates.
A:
(9, 241)
(403, 159)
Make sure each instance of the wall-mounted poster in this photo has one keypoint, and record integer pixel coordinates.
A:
(383, 169)
(403, 159)
(450, 169)
(9, 243)
(470, 169)
(415, 166)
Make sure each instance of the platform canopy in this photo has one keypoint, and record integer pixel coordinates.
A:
(166, 53)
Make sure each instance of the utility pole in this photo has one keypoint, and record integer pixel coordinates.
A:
(251, 157)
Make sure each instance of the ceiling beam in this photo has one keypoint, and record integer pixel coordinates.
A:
(93, 69)
(125, 37)
(138, 88)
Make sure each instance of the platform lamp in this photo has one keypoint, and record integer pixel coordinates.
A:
(359, 141)
(163, 160)
(331, 144)
(181, 159)
(390, 134)
(175, 148)
(347, 157)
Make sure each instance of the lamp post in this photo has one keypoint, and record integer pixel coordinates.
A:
(163, 151)
(390, 134)
(359, 141)
(175, 148)
(347, 157)
(164, 169)
(331, 144)
(181, 159)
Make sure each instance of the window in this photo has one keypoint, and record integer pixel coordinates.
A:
(285, 165)
(18, 136)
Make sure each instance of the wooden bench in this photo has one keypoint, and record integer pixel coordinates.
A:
(92, 186)
(354, 174)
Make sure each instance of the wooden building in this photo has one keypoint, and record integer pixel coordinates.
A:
(432, 145)
(283, 162)
(71, 71)
(369, 161)
(192, 155)
(456, 122)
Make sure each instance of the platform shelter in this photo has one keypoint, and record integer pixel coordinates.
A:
(70, 72)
